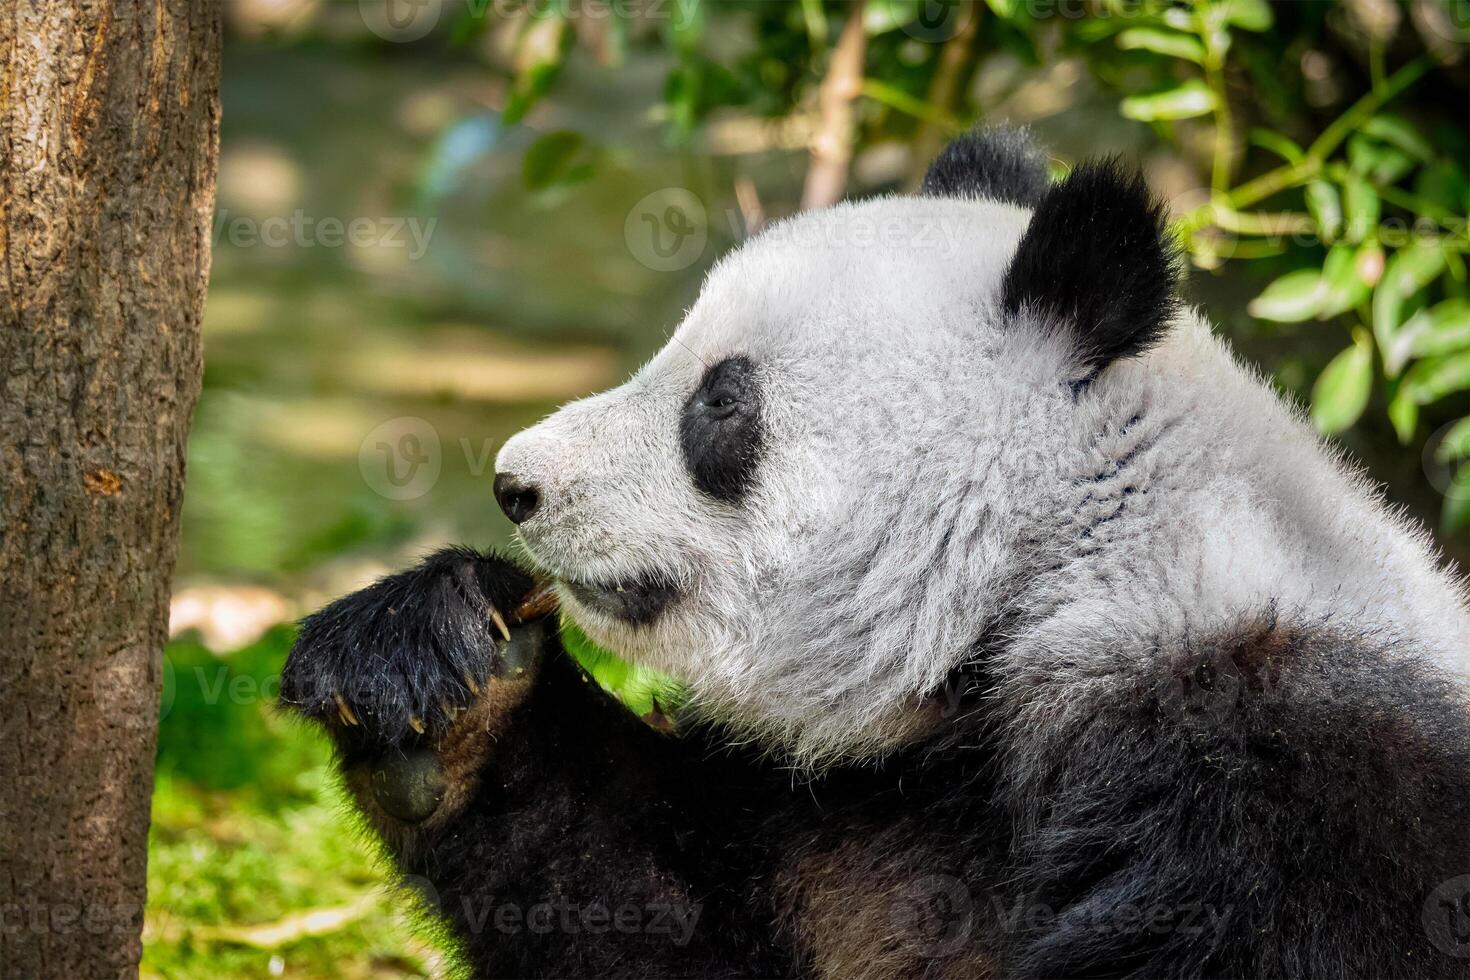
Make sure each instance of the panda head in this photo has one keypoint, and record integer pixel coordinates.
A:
(814, 501)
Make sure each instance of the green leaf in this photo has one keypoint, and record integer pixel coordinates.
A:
(1168, 43)
(1248, 15)
(1341, 392)
(1326, 209)
(1403, 412)
(1175, 17)
(1277, 144)
(1379, 163)
(640, 688)
(1191, 99)
(1361, 207)
(527, 91)
(1441, 329)
(886, 15)
(1295, 296)
(1431, 379)
(1408, 271)
(1445, 184)
(551, 160)
(1005, 9)
(538, 58)
(1343, 287)
(1399, 132)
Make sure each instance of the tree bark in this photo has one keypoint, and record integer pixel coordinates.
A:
(108, 147)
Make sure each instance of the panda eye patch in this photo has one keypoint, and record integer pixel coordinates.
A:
(720, 430)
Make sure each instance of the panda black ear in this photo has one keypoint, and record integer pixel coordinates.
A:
(1097, 261)
(999, 162)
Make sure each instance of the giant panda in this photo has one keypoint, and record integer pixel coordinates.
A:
(1024, 633)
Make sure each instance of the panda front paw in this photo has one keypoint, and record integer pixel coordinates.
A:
(398, 662)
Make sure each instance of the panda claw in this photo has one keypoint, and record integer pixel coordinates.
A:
(499, 622)
(470, 682)
(416, 723)
(541, 602)
(344, 712)
(466, 576)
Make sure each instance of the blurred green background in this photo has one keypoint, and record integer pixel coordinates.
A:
(432, 229)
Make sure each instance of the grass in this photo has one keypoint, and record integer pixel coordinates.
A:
(256, 867)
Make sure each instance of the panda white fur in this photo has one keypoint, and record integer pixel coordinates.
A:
(946, 505)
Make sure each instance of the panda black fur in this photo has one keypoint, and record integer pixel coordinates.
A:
(1026, 633)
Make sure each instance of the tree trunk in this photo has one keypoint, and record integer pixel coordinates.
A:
(108, 144)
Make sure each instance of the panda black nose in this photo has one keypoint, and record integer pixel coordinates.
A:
(519, 500)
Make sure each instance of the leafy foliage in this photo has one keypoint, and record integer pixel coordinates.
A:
(1367, 217)
(1381, 233)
